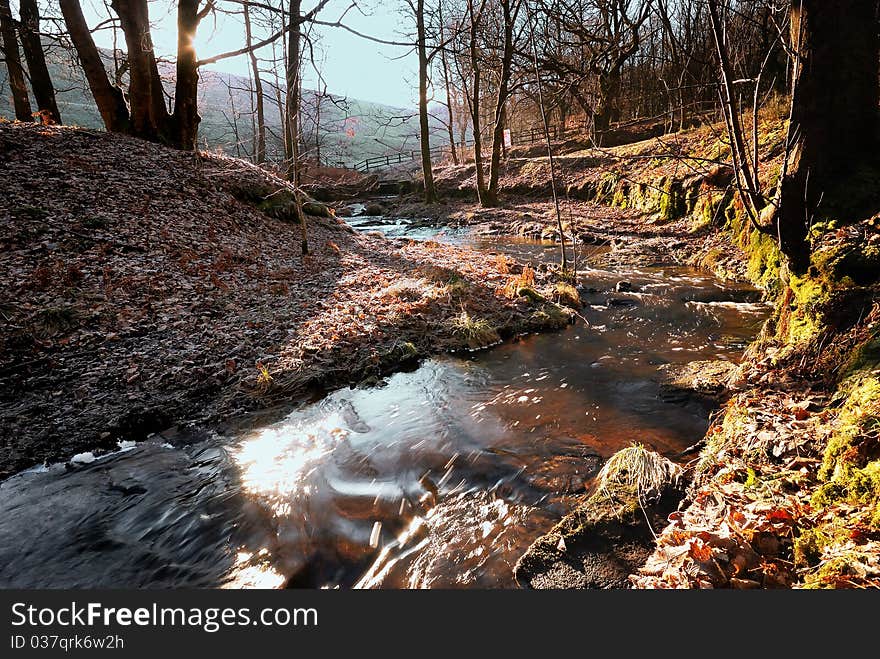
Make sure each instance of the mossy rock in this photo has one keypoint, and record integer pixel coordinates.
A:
(567, 295)
(599, 544)
(316, 209)
(705, 381)
(530, 294)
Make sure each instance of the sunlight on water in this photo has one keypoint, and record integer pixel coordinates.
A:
(252, 570)
(275, 462)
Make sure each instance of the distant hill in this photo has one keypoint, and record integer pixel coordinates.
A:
(350, 129)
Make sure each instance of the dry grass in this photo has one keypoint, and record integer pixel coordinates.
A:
(635, 467)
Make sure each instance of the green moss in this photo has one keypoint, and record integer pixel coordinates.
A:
(808, 547)
(672, 204)
(856, 261)
(530, 294)
(607, 187)
(549, 316)
(831, 570)
(764, 259)
(850, 468)
(865, 356)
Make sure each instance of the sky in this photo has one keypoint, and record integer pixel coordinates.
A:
(352, 66)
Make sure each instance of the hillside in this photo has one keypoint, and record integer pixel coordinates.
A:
(128, 310)
(351, 130)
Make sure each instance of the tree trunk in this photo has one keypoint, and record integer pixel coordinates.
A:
(424, 128)
(17, 85)
(109, 98)
(606, 111)
(185, 119)
(149, 116)
(291, 123)
(834, 117)
(41, 82)
(509, 12)
(260, 151)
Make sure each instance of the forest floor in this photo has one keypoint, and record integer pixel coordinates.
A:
(144, 289)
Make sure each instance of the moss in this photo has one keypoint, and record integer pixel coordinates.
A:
(672, 203)
(764, 259)
(606, 187)
(401, 352)
(530, 294)
(567, 295)
(856, 261)
(808, 547)
(850, 470)
(864, 356)
(833, 570)
(549, 316)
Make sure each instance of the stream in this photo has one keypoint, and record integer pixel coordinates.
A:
(440, 477)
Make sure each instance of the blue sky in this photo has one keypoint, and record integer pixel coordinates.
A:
(352, 66)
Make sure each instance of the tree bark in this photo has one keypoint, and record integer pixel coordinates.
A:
(291, 123)
(109, 98)
(260, 150)
(41, 82)
(834, 116)
(606, 111)
(185, 119)
(17, 84)
(424, 128)
(149, 116)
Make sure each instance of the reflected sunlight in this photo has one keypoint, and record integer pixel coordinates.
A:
(276, 462)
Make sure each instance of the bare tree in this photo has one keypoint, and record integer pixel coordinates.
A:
(17, 84)
(108, 97)
(260, 136)
(32, 45)
(510, 12)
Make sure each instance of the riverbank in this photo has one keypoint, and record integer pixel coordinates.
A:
(784, 491)
(146, 289)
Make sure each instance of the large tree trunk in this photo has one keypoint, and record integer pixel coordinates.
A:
(834, 118)
(185, 120)
(41, 82)
(109, 98)
(17, 84)
(424, 135)
(260, 141)
(509, 12)
(606, 111)
(149, 116)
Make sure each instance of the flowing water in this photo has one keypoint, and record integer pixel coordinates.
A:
(441, 477)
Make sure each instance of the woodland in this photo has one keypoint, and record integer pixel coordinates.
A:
(163, 282)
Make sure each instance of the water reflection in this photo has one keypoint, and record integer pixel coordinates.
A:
(439, 478)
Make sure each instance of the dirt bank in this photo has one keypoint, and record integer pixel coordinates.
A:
(144, 288)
